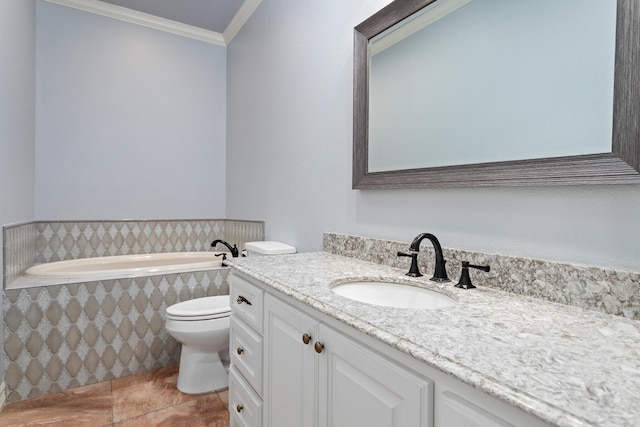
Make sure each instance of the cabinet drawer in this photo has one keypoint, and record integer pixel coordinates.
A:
(246, 301)
(245, 407)
(246, 352)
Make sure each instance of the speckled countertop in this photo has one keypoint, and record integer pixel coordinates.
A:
(566, 365)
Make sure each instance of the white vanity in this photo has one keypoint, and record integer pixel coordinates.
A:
(303, 356)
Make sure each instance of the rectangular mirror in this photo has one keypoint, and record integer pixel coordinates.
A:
(496, 92)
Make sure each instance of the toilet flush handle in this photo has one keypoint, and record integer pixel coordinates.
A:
(242, 299)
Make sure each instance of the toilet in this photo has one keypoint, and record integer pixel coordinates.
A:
(201, 325)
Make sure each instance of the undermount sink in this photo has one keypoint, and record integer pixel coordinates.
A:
(391, 294)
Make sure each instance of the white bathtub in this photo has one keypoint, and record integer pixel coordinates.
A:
(122, 266)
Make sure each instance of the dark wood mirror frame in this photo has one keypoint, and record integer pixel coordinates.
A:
(620, 166)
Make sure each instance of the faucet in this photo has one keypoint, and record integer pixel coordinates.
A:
(233, 250)
(440, 272)
(465, 279)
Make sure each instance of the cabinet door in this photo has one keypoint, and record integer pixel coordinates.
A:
(361, 388)
(290, 366)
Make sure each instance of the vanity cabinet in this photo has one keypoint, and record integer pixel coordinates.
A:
(290, 366)
(300, 368)
(313, 372)
(245, 353)
(358, 387)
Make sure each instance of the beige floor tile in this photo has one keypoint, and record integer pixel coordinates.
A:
(206, 410)
(79, 407)
(147, 399)
(224, 396)
(140, 394)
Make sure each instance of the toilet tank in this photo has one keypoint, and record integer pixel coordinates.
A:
(268, 248)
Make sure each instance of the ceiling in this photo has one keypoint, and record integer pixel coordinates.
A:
(212, 15)
(212, 21)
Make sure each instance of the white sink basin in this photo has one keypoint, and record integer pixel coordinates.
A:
(393, 295)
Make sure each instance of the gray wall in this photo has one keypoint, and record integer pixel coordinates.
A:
(17, 114)
(289, 154)
(131, 120)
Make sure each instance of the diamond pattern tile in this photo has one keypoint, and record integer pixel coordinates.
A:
(80, 334)
(53, 241)
(54, 312)
(63, 336)
(109, 331)
(34, 344)
(34, 315)
(13, 346)
(54, 367)
(54, 340)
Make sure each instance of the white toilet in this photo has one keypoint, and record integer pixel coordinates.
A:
(202, 327)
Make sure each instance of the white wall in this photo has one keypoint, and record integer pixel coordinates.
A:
(131, 120)
(289, 158)
(17, 116)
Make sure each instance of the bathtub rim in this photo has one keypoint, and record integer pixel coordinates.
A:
(25, 281)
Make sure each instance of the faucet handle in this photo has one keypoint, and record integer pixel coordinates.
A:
(414, 271)
(410, 254)
(465, 279)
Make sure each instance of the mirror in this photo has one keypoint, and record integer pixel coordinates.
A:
(445, 127)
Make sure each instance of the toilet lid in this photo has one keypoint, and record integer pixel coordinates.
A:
(217, 306)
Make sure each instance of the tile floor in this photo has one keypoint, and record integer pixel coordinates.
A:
(146, 399)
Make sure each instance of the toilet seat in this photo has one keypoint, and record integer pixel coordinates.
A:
(200, 309)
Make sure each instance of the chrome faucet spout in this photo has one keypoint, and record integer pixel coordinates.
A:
(233, 250)
(440, 271)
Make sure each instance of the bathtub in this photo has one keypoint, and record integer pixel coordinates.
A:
(122, 266)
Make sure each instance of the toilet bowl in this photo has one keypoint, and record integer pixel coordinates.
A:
(202, 327)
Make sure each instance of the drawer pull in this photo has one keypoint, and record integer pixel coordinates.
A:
(242, 299)
(306, 338)
(240, 350)
(319, 347)
(239, 408)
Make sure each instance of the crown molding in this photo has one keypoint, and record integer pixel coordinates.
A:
(241, 18)
(133, 16)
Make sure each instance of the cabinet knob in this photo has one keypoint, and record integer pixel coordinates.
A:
(240, 350)
(239, 407)
(319, 347)
(306, 338)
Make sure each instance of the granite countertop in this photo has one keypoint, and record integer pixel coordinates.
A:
(566, 365)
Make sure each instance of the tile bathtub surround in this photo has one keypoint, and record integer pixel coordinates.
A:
(64, 336)
(18, 249)
(609, 291)
(48, 241)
